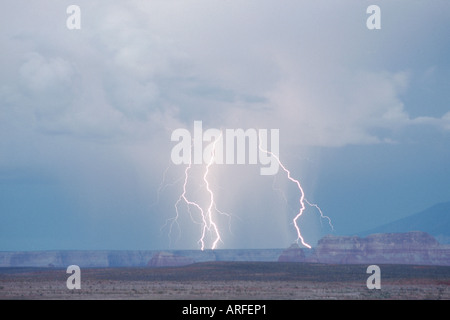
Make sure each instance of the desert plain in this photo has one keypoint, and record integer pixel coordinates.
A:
(229, 280)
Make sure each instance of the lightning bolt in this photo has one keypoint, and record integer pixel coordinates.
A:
(302, 199)
(208, 224)
(211, 202)
(189, 203)
(163, 185)
(321, 213)
(205, 216)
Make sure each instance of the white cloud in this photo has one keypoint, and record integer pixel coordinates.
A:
(41, 74)
(441, 123)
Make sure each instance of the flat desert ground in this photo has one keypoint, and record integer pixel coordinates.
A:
(229, 280)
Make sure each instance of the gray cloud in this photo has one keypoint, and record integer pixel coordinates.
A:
(73, 101)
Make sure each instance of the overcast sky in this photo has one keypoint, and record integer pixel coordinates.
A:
(86, 118)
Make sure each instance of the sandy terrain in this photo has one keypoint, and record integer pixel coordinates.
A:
(230, 280)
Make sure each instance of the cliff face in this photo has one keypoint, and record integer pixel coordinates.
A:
(81, 258)
(167, 259)
(390, 248)
(292, 254)
(130, 258)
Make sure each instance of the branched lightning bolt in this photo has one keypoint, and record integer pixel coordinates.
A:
(205, 216)
(163, 185)
(161, 188)
(211, 203)
(208, 223)
(187, 201)
(321, 213)
(302, 199)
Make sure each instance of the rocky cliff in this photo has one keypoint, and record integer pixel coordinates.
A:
(392, 248)
(130, 258)
(385, 248)
(82, 258)
(292, 254)
(167, 259)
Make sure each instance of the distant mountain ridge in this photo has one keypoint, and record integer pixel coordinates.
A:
(435, 220)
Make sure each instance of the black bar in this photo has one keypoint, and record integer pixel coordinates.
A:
(226, 309)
